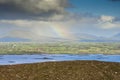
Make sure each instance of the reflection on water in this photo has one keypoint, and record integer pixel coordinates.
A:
(22, 59)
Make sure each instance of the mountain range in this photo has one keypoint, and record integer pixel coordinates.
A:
(13, 39)
(82, 37)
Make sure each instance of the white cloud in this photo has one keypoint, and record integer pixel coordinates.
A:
(108, 22)
(105, 18)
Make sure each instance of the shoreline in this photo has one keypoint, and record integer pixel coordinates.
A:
(27, 53)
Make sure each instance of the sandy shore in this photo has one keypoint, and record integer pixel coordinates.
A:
(72, 70)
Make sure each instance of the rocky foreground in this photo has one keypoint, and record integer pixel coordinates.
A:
(72, 70)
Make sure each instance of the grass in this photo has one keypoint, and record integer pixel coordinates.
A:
(63, 48)
(72, 70)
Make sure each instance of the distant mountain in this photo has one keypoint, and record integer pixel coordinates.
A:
(115, 38)
(92, 38)
(79, 37)
(42, 39)
(12, 39)
(82, 37)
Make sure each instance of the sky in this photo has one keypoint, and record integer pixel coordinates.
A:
(42, 19)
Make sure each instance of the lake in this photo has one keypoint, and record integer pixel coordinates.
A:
(24, 59)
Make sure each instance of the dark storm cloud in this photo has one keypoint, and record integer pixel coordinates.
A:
(31, 8)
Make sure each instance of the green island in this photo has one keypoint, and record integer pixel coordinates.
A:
(60, 48)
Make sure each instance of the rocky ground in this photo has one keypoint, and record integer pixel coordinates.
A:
(71, 70)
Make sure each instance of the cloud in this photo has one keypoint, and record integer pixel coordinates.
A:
(31, 29)
(104, 18)
(32, 8)
(40, 29)
(108, 22)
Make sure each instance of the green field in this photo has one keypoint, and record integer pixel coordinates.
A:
(60, 48)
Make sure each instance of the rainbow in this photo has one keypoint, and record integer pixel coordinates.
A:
(62, 31)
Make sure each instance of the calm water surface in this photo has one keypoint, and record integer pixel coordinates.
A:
(22, 59)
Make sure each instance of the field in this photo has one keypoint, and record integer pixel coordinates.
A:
(74, 70)
(60, 48)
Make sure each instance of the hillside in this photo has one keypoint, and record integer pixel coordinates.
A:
(74, 70)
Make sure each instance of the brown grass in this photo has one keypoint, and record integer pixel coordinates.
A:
(72, 70)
